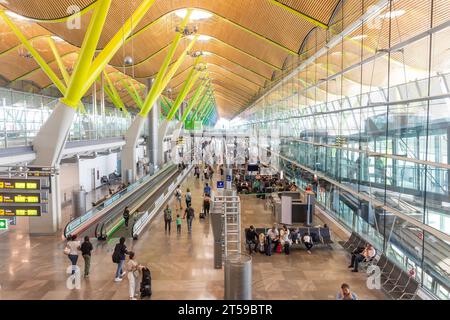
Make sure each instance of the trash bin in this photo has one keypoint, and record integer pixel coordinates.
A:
(238, 277)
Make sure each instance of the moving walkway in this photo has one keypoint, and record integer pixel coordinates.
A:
(106, 219)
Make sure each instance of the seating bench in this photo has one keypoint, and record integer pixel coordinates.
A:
(320, 236)
(395, 282)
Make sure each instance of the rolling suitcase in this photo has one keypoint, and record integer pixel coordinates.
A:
(146, 283)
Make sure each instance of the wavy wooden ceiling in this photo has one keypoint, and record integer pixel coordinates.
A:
(240, 63)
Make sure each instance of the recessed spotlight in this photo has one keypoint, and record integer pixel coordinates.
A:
(195, 14)
(392, 14)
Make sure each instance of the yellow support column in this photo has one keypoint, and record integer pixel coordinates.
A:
(189, 82)
(84, 61)
(39, 60)
(156, 87)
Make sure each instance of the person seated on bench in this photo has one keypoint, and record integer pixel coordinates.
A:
(245, 187)
(252, 239)
(295, 235)
(367, 254)
(345, 293)
(308, 241)
(285, 239)
(274, 236)
(261, 243)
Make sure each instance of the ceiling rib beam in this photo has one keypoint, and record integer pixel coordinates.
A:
(300, 14)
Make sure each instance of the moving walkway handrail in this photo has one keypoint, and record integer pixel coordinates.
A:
(112, 221)
(156, 207)
(121, 195)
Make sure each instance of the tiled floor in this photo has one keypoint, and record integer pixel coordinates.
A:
(181, 265)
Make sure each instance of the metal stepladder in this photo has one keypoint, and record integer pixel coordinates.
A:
(230, 206)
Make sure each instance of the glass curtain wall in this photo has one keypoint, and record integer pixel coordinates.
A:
(22, 114)
(369, 116)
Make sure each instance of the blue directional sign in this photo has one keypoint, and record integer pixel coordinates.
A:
(228, 178)
(220, 184)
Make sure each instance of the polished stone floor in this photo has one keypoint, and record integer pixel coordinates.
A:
(181, 265)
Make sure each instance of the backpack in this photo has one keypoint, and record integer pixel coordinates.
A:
(168, 214)
(178, 193)
(188, 197)
(116, 254)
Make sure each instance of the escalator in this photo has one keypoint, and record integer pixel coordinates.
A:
(106, 220)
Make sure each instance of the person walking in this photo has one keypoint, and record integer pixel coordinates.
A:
(197, 172)
(133, 269)
(167, 218)
(205, 173)
(189, 213)
(119, 253)
(126, 216)
(72, 249)
(207, 190)
(178, 195)
(178, 221)
(86, 249)
(206, 204)
(188, 197)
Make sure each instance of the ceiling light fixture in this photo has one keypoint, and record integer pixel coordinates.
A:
(57, 39)
(195, 14)
(16, 16)
(204, 38)
(392, 14)
(359, 37)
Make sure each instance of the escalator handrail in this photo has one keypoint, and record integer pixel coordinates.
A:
(74, 224)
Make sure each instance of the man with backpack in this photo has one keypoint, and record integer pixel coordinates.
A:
(189, 214)
(167, 218)
(206, 204)
(118, 257)
(188, 197)
(126, 216)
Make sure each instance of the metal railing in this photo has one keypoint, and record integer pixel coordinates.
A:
(102, 208)
(148, 215)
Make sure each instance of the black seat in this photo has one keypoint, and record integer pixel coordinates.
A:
(326, 236)
(303, 231)
(391, 278)
(382, 262)
(314, 233)
(399, 285)
(350, 241)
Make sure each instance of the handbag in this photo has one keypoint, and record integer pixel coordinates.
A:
(279, 249)
(66, 251)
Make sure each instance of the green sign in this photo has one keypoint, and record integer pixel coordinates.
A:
(3, 224)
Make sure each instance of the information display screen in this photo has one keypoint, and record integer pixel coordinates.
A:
(20, 184)
(30, 211)
(20, 198)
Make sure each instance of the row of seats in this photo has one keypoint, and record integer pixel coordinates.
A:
(318, 235)
(395, 282)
